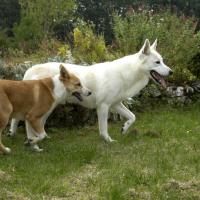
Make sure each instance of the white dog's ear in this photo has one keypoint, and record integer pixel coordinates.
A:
(146, 47)
(64, 74)
(154, 45)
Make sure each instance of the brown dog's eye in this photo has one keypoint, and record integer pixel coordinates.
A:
(78, 84)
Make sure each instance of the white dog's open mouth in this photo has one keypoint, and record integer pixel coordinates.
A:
(78, 96)
(158, 78)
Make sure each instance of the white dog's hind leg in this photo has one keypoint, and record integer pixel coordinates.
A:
(13, 127)
(102, 112)
(125, 112)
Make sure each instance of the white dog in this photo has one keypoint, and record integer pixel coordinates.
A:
(110, 83)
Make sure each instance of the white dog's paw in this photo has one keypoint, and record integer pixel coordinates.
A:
(48, 137)
(36, 148)
(27, 142)
(110, 140)
(124, 130)
(10, 134)
(7, 150)
(125, 127)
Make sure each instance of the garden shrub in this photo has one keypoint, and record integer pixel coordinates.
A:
(194, 63)
(28, 34)
(70, 115)
(37, 22)
(49, 46)
(88, 47)
(3, 43)
(176, 36)
(15, 72)
(63, 50)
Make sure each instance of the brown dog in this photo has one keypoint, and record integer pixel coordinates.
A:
(34, 100)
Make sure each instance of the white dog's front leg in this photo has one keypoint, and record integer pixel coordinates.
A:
(102, 112)
(125, 112)
(13, 127)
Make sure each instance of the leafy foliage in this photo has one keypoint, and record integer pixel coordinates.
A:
(9, 14)
(4, 44)
(13, 72)
(176, 35)
(47, 13)
(28, 34)
(88, 47)
(194, 63)
(99, 12)
(38, 19)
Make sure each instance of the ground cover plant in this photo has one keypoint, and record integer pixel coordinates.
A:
(158, 159)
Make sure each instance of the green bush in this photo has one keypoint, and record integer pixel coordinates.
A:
(194, 63)
(28, 34)
(38, 19)
(15, 72)
(177, 42)
(88, 47)
(4, 44)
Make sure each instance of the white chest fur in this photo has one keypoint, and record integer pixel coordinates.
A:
(59, 90)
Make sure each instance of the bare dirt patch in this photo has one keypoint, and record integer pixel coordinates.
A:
(4, 176)
(8, 195)
(185, 188)
(81, 185)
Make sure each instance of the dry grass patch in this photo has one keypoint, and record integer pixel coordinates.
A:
(8, 195)
(80, 185)
(4, 176)
(188, 189)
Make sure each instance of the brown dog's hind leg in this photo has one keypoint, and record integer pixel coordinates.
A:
(3, 149)
(5, 111)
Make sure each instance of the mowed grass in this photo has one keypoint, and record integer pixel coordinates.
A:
(159, 160)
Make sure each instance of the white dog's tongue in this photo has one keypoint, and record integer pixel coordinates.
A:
(163, 82)
(160, 79)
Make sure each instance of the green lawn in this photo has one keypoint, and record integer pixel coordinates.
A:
(161, 160)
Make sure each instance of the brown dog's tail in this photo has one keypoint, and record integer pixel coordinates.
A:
(3, 149)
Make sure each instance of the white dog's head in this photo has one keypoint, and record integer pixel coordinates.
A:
(152, 63)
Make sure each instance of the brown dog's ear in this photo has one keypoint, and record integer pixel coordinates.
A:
(64, 74)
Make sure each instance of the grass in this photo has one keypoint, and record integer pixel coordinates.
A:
(161, 160)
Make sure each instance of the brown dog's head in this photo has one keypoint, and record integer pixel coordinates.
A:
(73, 84)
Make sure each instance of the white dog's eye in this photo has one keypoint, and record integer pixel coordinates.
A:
(158, 62)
